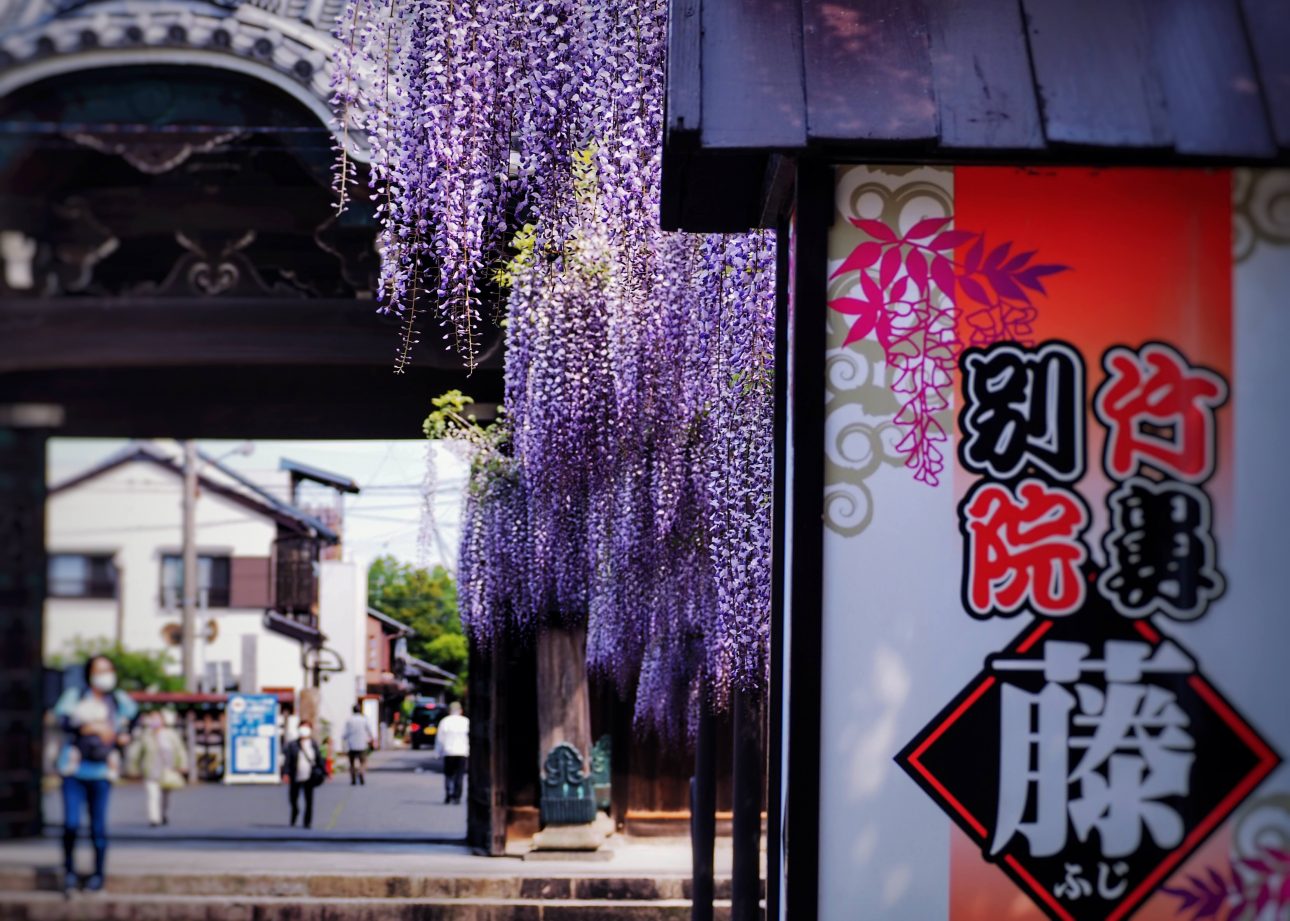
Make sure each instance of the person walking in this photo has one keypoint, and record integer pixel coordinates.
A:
(358, 739)
(452, 742)
(95, 721)
(303, 769)
(163, 763)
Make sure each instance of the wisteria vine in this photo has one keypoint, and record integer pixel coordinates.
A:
(516, 147)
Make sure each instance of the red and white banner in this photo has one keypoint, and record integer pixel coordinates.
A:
(1054, 627)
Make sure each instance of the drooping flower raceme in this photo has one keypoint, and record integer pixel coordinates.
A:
(517, 148)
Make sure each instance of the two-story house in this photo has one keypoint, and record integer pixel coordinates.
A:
(116, 570)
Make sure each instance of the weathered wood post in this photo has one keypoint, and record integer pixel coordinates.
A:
(703, 815)
(564, 701)
(564, 719)
(24, 431)
(746, 834)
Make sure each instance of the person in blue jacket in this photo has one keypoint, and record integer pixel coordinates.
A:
(96, 720)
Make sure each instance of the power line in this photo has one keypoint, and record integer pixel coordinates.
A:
(377, 517)
(128, 487)
(134, 528)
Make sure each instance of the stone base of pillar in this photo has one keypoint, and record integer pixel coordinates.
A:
(580, 838)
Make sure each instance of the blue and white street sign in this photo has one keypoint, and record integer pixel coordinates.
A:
(251, 747)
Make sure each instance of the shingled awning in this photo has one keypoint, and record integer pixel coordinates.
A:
(1186, 82)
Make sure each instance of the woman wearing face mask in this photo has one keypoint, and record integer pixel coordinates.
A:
(96, 720)
(303, 769)
(162, 761)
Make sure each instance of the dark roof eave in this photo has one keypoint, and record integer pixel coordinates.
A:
(261, 502)
(993, 82)
(306, 472)
(431, 671)
(399, 627)
(284, 509)
(293, 629)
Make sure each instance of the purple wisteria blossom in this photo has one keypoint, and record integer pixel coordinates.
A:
(628, 487)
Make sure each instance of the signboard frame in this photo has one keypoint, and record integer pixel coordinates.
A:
(252, 717)
(800, 798)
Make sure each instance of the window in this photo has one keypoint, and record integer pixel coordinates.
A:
(79, 575)
(212, 581)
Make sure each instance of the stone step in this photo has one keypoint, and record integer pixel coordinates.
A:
(364, 886)
(112, 906)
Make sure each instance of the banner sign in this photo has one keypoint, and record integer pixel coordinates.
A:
(251, 754)
(1039, 511)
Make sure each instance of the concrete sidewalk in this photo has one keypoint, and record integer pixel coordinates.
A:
(401, 801)
(654, 857)
(388, 850)
(328, 881)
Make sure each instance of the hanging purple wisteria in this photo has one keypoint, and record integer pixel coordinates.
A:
(517, 147)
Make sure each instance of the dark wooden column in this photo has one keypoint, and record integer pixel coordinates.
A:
(564, 699)
(748, 762)
(703, 815)
(486, 797)
(22, 597)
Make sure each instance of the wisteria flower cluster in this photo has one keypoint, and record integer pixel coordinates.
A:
(909, 289)
(516, 146)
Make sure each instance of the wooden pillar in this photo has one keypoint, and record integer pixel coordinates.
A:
(621, 761)
(748, 761)
(307, 708)
(487, 795)
(703, 815)
(564, 700)
(22, 598)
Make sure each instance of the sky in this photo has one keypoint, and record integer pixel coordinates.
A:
(385, 517)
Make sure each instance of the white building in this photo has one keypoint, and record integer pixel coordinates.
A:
(115, 568)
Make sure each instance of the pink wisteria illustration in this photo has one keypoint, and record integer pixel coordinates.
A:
(912, 288)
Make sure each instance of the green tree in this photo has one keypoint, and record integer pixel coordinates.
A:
(450, 651)
(425, 600)
(136, 670)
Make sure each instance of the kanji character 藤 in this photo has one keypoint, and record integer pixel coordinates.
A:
(1023, 407)
(1160, 551)
(1159, 411)
(1139, 754)
(1131, 736)
(1023, 549)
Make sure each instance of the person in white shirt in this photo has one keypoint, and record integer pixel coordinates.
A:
(452, 742)
(358, 739)
(303, 768)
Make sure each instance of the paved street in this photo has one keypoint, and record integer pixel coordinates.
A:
(403, 800)
(661, 857)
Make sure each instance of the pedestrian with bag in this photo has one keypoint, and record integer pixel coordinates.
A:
(95, 721)
(303, 769)
(358, 740)
(163, 761)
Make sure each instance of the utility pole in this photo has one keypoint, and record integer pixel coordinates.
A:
(189, 630)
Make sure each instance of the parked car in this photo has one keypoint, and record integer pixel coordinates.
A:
(423, 724)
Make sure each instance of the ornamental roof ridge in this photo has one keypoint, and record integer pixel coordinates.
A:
(289, 43)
